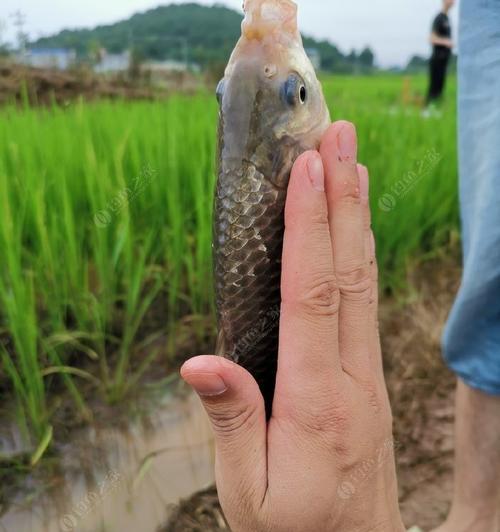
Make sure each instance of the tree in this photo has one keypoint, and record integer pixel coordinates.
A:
(417, 64)
(94, 50)
(3, 45)
(22, 37)
(367, 59)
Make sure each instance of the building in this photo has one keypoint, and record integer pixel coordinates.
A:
(171, 74)
(112, 63)
(169, 66)
(60, 58)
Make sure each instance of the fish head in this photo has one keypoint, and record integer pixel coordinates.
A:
(270, 96)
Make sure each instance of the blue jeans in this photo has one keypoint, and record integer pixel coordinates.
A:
(472, 335)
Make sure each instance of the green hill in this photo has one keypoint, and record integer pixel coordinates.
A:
(200, 34)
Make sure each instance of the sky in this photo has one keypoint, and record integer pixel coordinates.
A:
(395, 29)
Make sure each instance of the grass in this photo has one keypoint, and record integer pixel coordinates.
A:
(105, 229)
(411, 159)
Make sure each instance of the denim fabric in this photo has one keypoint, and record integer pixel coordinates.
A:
(472, 336)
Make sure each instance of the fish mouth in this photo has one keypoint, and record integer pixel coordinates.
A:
(264, 18)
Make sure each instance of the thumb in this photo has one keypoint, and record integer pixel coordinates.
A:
(235, 406)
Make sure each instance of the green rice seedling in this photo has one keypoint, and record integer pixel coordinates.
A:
(105, 229)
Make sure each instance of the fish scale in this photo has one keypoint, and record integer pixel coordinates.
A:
(271, 110)
(247, 250)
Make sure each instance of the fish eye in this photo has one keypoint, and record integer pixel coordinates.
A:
(294, 91)
(302, 94)
(219, 92)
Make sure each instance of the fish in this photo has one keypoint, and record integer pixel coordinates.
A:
(271, 110)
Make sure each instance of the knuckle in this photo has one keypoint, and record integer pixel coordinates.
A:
(319, 219)
(350, 195)
(230, 420)
(355, 281)
(321, 298)
(332, 419)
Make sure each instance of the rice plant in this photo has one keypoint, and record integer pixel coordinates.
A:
(105, 229)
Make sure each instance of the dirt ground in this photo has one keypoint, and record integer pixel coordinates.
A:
(422, 396)
(46, 86)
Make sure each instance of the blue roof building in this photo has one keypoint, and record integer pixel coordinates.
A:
(60, 58)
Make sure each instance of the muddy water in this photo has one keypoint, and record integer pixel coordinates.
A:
(124, 480)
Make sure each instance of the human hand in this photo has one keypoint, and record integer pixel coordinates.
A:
(325, 460)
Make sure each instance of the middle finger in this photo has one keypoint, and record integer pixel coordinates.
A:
(351, 264)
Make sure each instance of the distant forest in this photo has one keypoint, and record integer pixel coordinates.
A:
(189, 32)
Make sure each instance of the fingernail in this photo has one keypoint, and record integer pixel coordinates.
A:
(206, 384)
(347, 143)
(316, 172)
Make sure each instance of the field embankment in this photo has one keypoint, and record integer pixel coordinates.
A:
(34, 86)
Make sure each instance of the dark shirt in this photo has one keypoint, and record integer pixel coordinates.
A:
(442, 28)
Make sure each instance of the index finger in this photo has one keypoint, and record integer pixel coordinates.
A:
(308, 357)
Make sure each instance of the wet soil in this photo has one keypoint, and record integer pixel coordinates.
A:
(112, 478)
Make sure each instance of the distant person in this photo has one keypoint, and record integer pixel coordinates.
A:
(442, 46)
